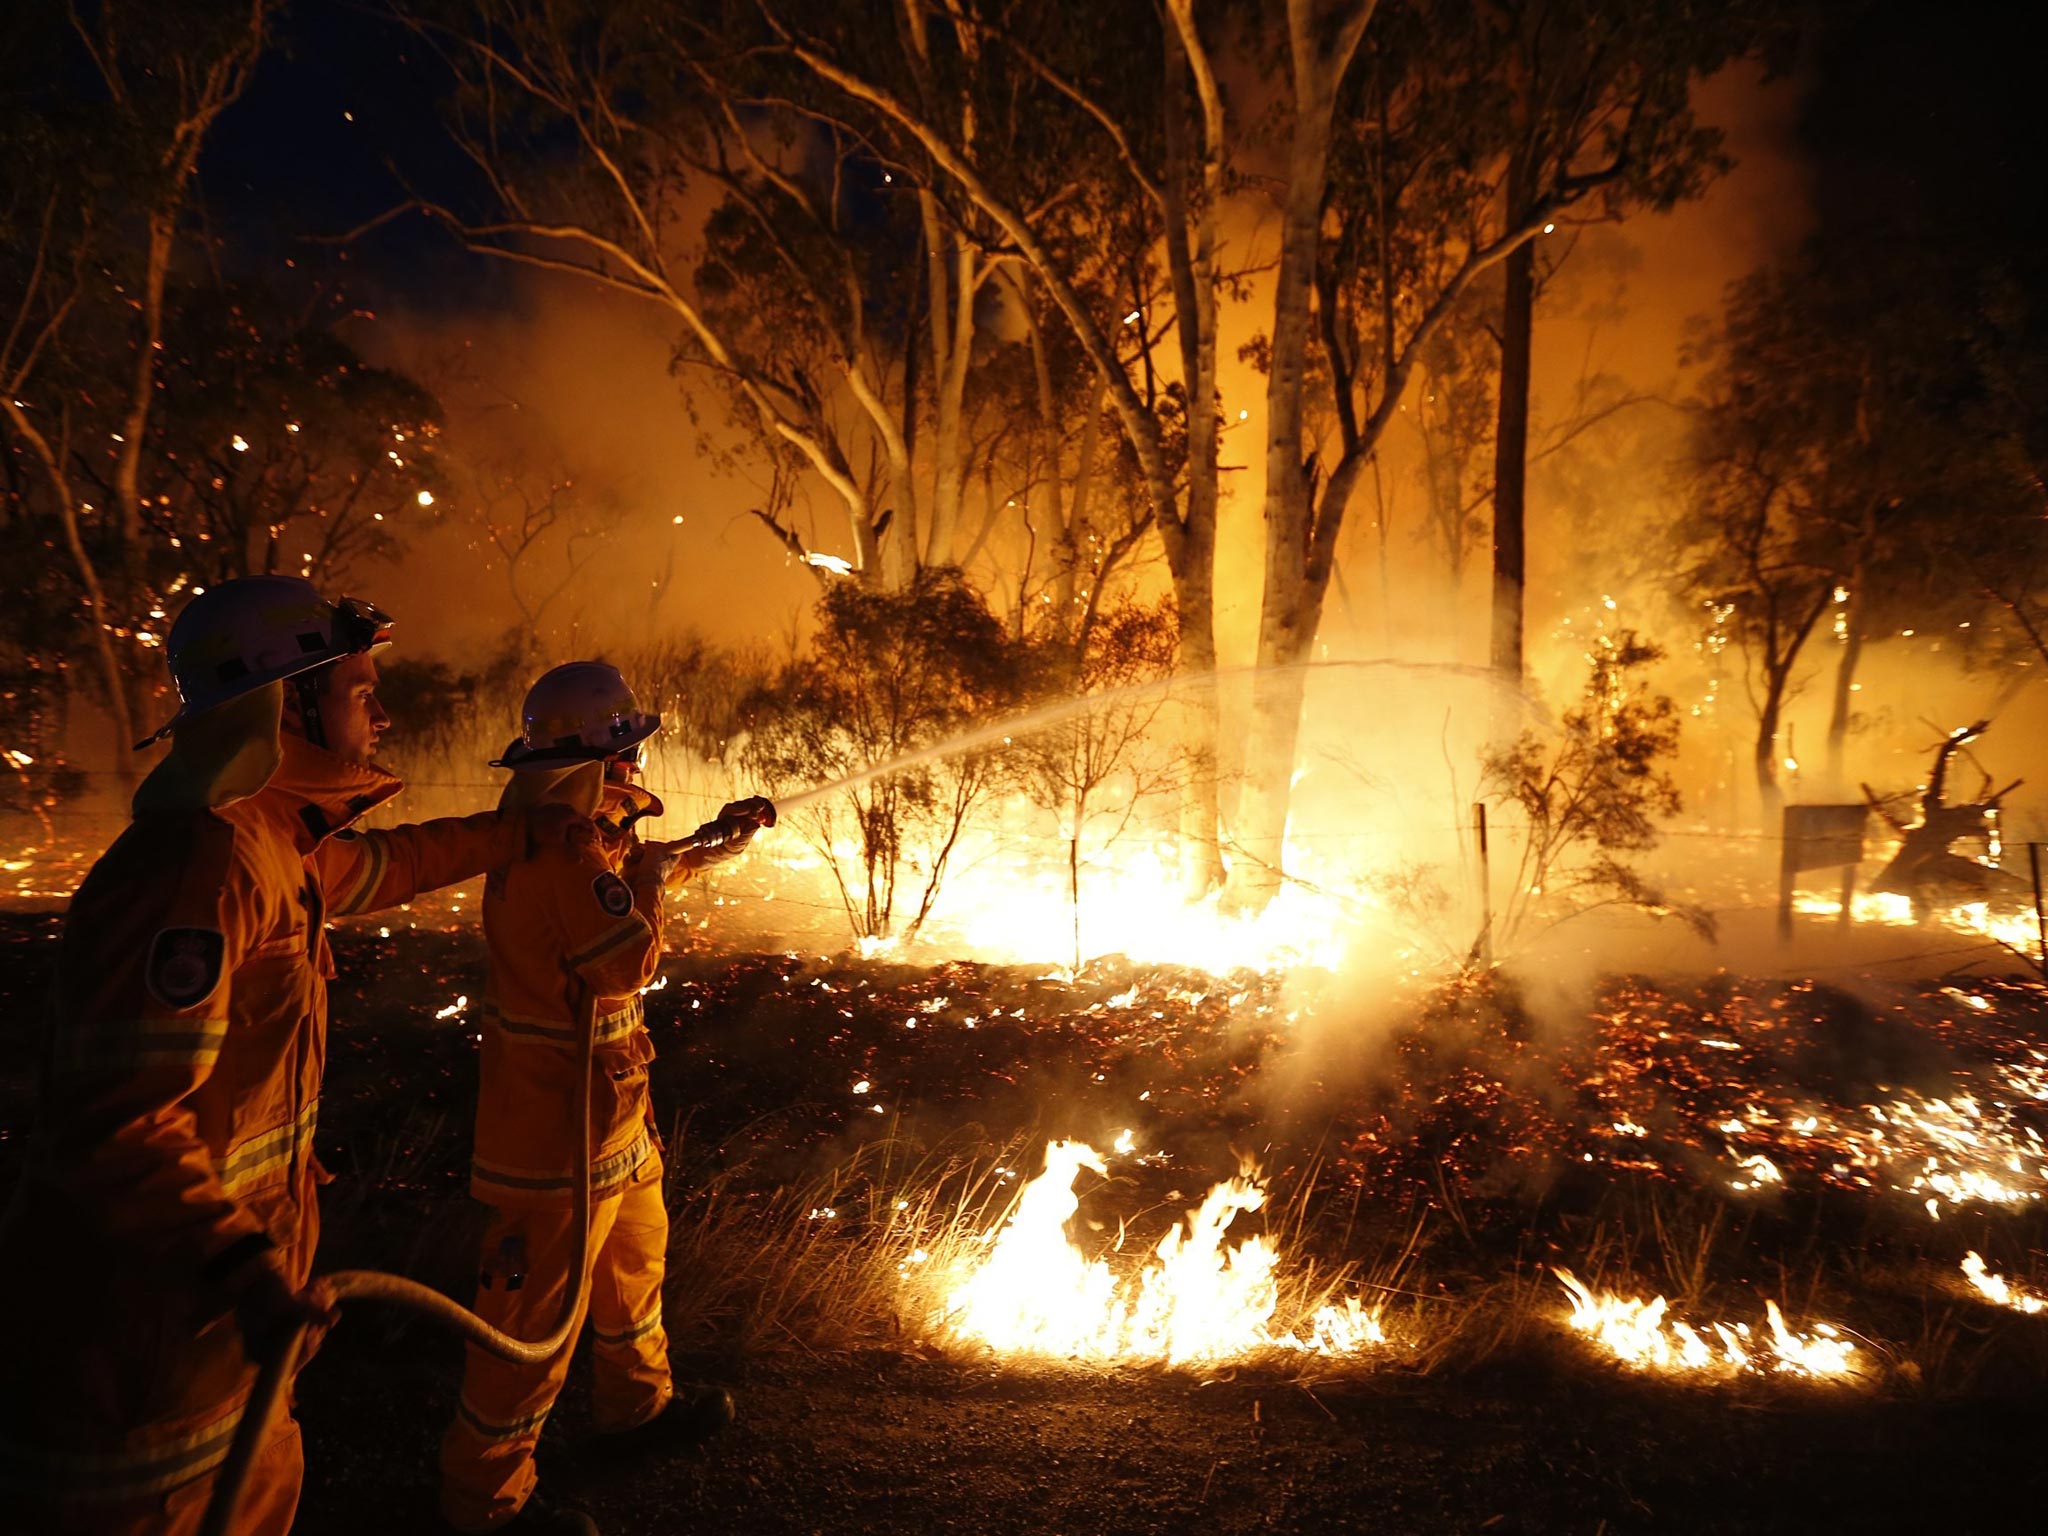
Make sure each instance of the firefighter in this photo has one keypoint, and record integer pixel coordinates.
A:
(576, 933)
(161, 1238)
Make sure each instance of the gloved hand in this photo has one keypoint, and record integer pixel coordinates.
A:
(758, 810)
(734, 826)
(651, 863)
(267, 1307)
(720, 838)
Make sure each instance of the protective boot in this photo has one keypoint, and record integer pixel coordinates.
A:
(692, 1417)
(541, 1516)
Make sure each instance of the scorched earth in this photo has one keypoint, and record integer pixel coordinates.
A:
(987, 1249)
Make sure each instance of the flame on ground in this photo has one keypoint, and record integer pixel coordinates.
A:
(1644, 1334)
(1198, 1299)
(1131, 906)
(1997, 1289)
(2015, 929)
(1002, 906)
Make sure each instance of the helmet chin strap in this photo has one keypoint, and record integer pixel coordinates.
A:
(302, 706)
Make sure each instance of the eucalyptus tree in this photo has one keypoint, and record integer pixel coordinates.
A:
(1595, 120)
(1384, 230)
(1114, 208)
(107, 110)
(1764, 495)
(1856, 460)
(1422, 153)
(279, 449)
(824, 285)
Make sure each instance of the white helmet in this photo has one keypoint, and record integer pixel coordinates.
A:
(255, 630)
(581, 711)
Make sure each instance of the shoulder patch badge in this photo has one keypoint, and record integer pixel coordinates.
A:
(613, 894)
(184, 966)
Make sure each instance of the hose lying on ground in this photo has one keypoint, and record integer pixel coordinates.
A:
(275, 1372)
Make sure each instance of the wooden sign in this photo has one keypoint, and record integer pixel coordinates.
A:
(1819, 837)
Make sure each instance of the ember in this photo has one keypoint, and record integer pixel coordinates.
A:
(1371, 647)
(1758, 1103)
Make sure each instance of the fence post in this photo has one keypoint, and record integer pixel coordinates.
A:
(1485, 944)
(2040, 917)
(1788, 869)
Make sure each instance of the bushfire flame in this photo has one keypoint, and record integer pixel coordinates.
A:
(1200, 1298)
(1644, 1334)
(1997, 1289)
(2017, 930)
(1003, 906)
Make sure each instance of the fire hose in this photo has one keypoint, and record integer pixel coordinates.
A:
(276, 1370)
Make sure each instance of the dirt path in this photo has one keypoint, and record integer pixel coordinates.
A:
(891, 1444)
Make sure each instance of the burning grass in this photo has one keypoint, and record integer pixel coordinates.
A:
(854, 1142)
(1997, 1290)
(1202, 1295)
(1645, 1334)
(1431, 1191)
(904, 1252)
(957, 1253)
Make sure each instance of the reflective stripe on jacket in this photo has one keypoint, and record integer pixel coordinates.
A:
(560, 926)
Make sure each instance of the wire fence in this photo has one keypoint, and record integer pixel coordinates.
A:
(1706, 866)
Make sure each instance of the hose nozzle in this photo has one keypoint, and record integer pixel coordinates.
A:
(721, 837)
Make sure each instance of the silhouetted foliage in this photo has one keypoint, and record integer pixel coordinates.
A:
(278, 449)
(1095, 769)
(889, 675)
(700, 689)
(1593, 796)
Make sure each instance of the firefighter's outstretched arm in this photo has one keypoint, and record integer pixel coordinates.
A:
(367, 871)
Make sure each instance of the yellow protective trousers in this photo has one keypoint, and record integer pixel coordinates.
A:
(270, 1498)
(487, 1455)
(180, 1092)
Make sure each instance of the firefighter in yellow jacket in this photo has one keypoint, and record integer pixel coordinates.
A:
(576, 926)
(162, 1234)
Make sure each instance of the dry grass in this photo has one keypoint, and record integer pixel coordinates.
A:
(825, 1265)
(864, 1256)
(864, 1253)
(867, 1254)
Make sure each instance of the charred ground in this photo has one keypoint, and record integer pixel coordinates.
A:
(1449, 1158)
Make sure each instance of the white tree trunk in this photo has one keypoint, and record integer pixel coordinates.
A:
(951, 382)
(1291, 603)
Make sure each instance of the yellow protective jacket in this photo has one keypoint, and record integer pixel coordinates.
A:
(180, 1089)
(567, 925)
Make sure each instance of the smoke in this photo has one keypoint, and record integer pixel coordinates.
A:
(550, 386)
(565, 384)
(573, 391)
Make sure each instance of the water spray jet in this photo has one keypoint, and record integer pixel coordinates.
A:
(1048, 715)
